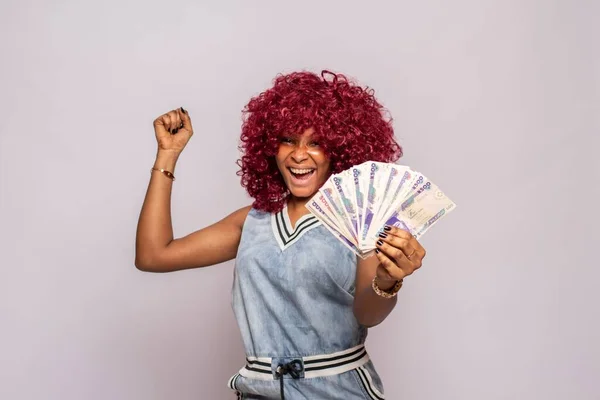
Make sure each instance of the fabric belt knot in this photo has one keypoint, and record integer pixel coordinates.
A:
(293, 368)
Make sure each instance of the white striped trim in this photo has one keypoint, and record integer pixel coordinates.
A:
(259, 359)
(336, 354)
(314, 366)
(231, 383)
(258, 366)
(246, 373)
(367, 382)
(282, 227)
(339, 369)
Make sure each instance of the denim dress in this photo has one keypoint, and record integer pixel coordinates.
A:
(292, 297)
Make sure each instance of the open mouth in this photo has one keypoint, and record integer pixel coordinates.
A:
(302, 174)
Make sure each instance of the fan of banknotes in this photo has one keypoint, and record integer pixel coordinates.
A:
(356, 204)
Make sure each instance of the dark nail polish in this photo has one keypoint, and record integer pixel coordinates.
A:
(387, 228)
(183, 111)
(175, 131)
(383, 235)
(376, 250)
(181, 126)
(380, 242)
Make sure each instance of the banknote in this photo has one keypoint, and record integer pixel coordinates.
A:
(374, 196)
(344, 187)
(317, 208)
(328, 190)
(326, 209)
(399, 184)
(388, 181)
(358, 196)
(356, 204)
(421, 210)
(407, 184)
(318, 211)
(409, 189)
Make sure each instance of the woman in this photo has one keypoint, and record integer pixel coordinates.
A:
(302, 300)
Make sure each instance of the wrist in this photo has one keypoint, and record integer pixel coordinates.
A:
(386, 293)
(166, 159)
(386, 285)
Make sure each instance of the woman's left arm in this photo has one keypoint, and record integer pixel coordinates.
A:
(398, 254)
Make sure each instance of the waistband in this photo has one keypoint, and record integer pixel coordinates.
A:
(269, 368)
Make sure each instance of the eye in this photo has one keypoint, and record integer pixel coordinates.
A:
(287, 140)
(313, 144)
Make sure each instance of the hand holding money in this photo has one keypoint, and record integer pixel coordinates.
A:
(399, 253)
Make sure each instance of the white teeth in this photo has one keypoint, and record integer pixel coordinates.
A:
(301, 171)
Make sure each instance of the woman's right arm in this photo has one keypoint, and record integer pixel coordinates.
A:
(155, 249)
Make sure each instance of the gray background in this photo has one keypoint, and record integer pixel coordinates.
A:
(496, 101)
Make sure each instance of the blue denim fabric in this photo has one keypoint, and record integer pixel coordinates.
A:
(297, 302)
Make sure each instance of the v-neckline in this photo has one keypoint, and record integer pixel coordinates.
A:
(285, 233)
(288, 222)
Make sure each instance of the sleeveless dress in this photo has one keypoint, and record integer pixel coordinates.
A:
(292, 297)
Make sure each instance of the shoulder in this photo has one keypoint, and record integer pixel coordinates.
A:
(238, 217)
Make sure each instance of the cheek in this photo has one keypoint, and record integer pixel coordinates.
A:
(320, 158)
(324, 166)
(281, 155)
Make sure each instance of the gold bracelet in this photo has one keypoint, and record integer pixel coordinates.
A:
(389, 293)
(166, 173)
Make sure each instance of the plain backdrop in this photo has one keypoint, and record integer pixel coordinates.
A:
(496, 101)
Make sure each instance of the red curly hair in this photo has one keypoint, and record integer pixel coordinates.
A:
(350, 124)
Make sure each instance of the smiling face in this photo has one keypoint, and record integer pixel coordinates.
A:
(302, 163)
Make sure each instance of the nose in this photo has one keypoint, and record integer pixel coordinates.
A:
(300, 154)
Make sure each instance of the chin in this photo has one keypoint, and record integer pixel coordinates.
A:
(303, 192)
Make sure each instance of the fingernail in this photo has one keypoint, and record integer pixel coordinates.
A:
(387, 228)
(183, 111)
(383, 235)
(376, 250)
(175, 130)
(380, 242)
